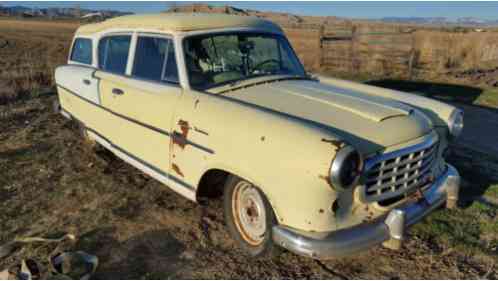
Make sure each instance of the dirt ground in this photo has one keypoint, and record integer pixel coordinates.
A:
(51, 182)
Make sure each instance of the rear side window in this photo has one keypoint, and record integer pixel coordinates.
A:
(82, 51)
(155, 59)
(113, 53)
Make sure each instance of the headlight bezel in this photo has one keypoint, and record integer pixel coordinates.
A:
(456, 123)
(339, 163)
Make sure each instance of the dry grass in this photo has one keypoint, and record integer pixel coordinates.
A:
(29, 53)
(446, 51)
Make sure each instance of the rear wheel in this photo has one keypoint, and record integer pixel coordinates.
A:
(249, 217)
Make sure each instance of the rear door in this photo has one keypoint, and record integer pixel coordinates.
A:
(77, 86)
(141, 88)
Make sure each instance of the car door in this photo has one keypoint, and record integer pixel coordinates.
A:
(142, 94)
(76, 84)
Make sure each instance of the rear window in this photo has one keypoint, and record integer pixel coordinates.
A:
(113, 53)
(82, 51)
(155, 59)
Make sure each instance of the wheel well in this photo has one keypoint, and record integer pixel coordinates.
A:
(212, 183)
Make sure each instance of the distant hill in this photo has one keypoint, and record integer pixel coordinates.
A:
(75, 12)
(281, 18)
(464, 21)
(286, 18)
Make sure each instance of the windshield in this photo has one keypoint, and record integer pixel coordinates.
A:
(216, 59)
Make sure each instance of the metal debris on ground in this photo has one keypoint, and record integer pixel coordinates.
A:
(62, 264)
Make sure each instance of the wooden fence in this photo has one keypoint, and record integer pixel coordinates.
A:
(385, 52)
(345, 47)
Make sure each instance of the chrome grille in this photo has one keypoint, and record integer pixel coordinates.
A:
(398, 173)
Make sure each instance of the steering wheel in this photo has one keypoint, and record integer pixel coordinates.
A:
(261, 64)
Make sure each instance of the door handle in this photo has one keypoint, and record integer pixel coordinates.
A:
(86, 82)
(117, 91)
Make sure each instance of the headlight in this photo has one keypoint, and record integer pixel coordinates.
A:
(455, 124)
(346, 167)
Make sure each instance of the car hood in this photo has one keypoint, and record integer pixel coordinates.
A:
(366, 121)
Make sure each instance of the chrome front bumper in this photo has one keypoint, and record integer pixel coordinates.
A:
(389, 231)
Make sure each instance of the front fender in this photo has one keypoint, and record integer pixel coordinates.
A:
(286, 157)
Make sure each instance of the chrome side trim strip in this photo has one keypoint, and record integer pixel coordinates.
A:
(155, 129)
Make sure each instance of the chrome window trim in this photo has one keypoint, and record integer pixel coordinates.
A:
(132, 62)
(114, 34)
(162, 83)
(94, 59)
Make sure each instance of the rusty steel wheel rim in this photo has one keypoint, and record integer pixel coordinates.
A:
(248, 210)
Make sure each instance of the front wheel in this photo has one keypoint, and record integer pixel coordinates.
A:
(249, 217)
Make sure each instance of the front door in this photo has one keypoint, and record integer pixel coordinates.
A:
(143, 101)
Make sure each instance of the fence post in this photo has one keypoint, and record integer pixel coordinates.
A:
(354, 61)
(411, 60)
(321, 33)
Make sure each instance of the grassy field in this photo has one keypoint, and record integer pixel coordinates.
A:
(52, 182)
(29, 53)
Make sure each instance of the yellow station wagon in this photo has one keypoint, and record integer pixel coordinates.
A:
(220, 103)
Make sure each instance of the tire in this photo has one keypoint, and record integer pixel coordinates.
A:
(251, 225)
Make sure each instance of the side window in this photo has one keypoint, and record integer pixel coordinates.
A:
(113, 53)
(82, 51)
(155, 59)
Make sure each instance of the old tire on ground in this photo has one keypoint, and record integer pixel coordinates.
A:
(249, 217)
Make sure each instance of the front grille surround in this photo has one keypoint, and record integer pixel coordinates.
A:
(401, 172)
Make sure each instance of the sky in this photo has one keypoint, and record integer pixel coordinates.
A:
(353, 9)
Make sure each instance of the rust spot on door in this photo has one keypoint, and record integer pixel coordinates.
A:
(178, 138)
(177, 169)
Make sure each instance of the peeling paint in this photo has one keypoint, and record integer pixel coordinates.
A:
(177, 169)
(336, 143)
(335, 206)
(201, 131)
(327, 180)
